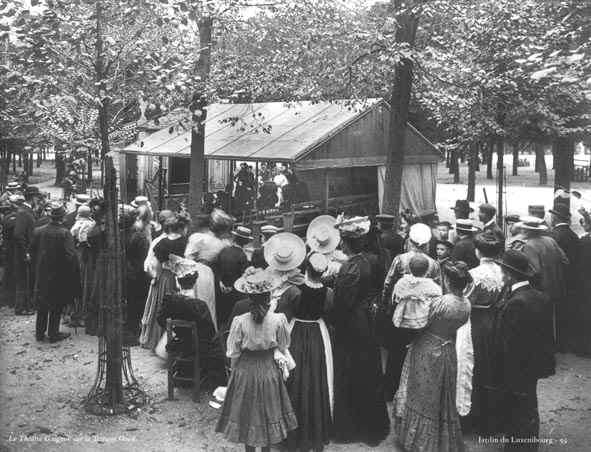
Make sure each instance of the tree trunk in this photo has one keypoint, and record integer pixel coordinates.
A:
(515, 151)
(39, 158)
(103, 109)
(472, 162)
(199, 114)
(564, 162)
(60, 164)
(455, 164)
(399, 102)
(500, 182)
(489, 159)
(541, 163)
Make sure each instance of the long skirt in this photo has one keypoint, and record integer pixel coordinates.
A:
(257, 410)
(360, 412)
(310, 385)
(152, 332)
(426, 417)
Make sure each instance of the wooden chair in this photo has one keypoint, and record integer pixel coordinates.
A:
(175, 358)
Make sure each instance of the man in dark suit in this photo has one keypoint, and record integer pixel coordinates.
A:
(22, 237)
(464, 249)
(524, 350)
(487, 215)
(57, 278)
(569, 242)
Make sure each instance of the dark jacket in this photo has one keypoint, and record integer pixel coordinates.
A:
(24, 225)
(550, 264)
(464, 250)
(57, 276)
(524, 344)
(568, 241)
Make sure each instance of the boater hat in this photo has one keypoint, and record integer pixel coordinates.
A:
(13, 186)
(531, 224)
(255, 280)
(242, 232)
(321, 235)
(465, 225)
(284, 251)
(518, 262)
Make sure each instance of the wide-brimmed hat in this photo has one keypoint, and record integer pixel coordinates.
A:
(82, 198)
(181, 266)
(242, 232)
(529, 223)
(255, 280)
(463, 206)
(465, 225)
(284, 251)
(57, 210)
(562, 211)
(13, 186)
(140, 201)
(420, 234)
(321, 235)
(354, 227)
(518, 262)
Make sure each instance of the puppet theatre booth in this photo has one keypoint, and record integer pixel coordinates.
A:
(336, 149)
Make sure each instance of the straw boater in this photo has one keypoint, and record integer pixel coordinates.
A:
(524, 346)
(464, 249)
(321, 235)
(258, 257)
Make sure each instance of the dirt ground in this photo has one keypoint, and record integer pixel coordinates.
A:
(42, 387)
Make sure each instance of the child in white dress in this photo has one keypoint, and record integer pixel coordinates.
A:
(414, 294)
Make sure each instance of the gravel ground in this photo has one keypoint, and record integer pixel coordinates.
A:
(42, 387)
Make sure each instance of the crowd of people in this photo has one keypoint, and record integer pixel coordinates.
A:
(453, 323)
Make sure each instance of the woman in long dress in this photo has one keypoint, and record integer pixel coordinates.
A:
(425, 414)
(310, 385)
(257, 411)
(359, 408)
(484, 294)
(175, 243)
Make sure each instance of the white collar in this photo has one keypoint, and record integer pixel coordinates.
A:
(489, 223)
(516, 286)
(312, 284)
(561, 224)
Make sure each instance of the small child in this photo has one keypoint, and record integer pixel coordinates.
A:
(443, 250)
(414, 295)
(83, 225)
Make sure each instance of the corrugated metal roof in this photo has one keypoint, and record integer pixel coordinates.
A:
(235, 131)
